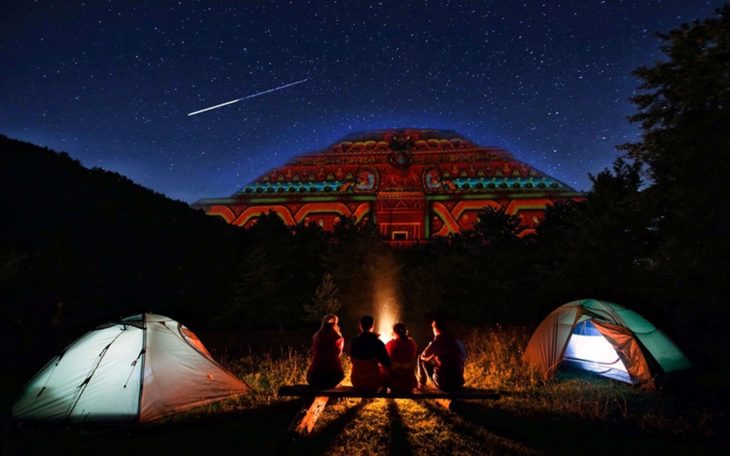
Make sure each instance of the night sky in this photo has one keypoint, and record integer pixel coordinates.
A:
(111, 83)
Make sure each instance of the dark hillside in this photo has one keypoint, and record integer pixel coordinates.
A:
(80, 245)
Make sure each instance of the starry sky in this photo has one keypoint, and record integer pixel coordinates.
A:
(111, 83)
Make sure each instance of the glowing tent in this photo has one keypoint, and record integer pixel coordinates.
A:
(139, 369)
(604, 338)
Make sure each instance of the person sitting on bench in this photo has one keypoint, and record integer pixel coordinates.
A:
(369, 358)
(327, 345)
(443, 360)
(403, 352)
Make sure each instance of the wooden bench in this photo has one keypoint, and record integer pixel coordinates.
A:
(307, 417)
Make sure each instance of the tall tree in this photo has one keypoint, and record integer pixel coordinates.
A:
(598, 243)
(684, 114)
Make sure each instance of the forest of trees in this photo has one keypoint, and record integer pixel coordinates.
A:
(79, 246)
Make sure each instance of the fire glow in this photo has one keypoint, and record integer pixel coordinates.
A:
(386, 315)
(385, 298)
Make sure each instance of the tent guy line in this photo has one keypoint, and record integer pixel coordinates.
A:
(247, 97)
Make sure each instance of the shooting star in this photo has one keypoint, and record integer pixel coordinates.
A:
(248, 96)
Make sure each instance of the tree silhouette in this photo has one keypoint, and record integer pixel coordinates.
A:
(495, 226)
(684, 114)
(325, 300)
(257, 300)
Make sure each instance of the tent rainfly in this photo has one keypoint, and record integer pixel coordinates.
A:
(139, 369)
(604, 338)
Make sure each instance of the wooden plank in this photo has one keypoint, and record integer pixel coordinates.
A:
(349, 391)
(445, 403)
(307, 417)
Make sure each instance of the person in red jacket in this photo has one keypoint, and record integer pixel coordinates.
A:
(443, 360)
(327, 345)
(403, 352)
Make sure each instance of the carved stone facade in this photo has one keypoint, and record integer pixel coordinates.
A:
(414, 184)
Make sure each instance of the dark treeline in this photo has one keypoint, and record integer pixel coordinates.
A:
(79, 246)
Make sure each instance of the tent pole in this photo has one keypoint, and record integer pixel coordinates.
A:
(141, 367)
(83, 385)
(554, 367)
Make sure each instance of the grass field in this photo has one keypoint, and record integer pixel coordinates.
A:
(570, 414)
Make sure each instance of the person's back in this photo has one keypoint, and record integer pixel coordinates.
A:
(443, 360)
(368, 354)
(327, 345)
(402, 351)
(449, 360)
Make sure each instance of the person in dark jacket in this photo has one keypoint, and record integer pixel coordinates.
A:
(443, 360)
(369, 358)
(327, 345)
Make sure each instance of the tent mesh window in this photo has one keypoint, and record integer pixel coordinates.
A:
(588, 350)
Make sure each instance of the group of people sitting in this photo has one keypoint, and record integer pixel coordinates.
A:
(377, 366)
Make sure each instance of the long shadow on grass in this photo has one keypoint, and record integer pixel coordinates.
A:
(322, 437)
(555, 434)
(260, 430)
(461, 423)
(398, 433)
(251, 431)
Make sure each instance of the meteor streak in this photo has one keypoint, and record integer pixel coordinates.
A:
(248, 96)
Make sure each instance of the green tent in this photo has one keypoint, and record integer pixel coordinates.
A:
(604, 338)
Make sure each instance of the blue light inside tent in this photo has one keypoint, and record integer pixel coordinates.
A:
(588, 350)
(586, 328)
